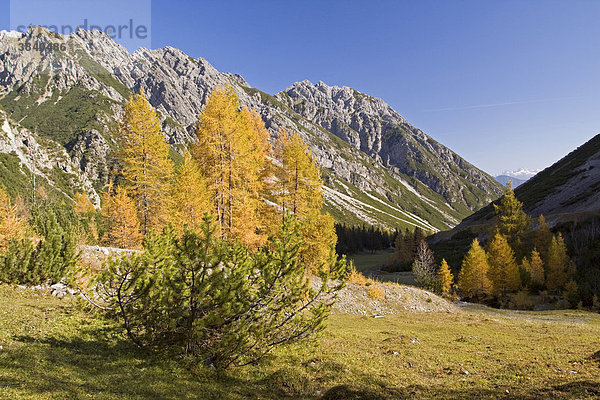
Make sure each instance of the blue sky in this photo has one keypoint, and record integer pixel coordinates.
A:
(506, 84)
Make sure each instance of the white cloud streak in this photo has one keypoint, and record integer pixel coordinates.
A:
(508, 103)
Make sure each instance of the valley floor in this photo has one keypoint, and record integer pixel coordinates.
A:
(51, 349)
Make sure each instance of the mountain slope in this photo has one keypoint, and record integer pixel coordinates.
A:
(371, 125)
(72, 95)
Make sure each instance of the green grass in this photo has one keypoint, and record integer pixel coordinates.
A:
(370, 265)
(367, 261)
(53, 350)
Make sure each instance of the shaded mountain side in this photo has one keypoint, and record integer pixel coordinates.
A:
(70, 96)
(566, 192)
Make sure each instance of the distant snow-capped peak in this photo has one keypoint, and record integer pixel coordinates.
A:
(522, 173)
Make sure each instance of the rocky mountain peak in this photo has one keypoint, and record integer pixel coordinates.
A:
(373, 126)
(383, 171)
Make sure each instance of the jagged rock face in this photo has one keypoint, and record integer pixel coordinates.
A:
(91, 153)
(358, 119)
(371, 125)
(380, 153)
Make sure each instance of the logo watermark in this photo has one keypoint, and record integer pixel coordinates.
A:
(126, 22)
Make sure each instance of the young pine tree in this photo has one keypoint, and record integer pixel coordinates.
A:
(147, 168)
(445, 276)
(190, 196)
(503, 270)
(120, 215)
(473, 280)
(215, 300)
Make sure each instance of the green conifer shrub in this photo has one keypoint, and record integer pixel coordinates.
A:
(214, 300)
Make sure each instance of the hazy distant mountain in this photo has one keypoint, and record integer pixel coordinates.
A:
(504, 179)
(59, 105)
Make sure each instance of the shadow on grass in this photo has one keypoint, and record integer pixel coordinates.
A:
(578, 390)
(596, 357)
(99, 366)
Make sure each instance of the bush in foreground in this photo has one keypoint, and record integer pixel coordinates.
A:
(212, 299)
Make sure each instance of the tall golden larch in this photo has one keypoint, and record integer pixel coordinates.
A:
(557, 265)
(536, 269)
(512, 221)
(191, 198)
(503, 269)
(542, 238)
(232, 151)
(298, 190)
(147, 168)
(445, 276)
(473, 280)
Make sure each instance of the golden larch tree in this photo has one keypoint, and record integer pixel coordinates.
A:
(191, 198)
(232, 151)
(445, 276)
(147, 168)
(121, 218)
(300, 187)
(542, 238)
(512, 221)
(473, 280)
(12, 225)
(298, 190)
(557, 265)
(87, 214)
(82, 204)
(536, 269)
(503, 271)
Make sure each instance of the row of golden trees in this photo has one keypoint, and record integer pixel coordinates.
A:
(232, 172)
(512, 261)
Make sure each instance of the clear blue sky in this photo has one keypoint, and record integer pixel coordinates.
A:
(506, 84)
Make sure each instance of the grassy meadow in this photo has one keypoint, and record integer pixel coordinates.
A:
(370, 264)
(53, 349)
